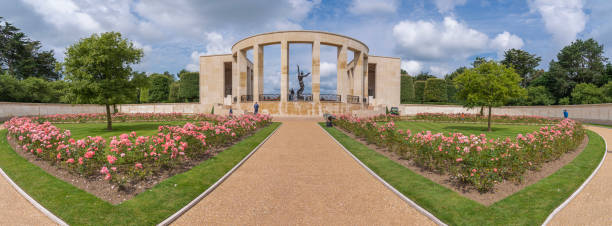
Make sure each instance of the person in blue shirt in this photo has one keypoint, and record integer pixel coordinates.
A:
(256, 107)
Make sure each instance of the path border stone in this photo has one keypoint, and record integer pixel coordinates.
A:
(390, 187)
(568, 200)
(195, 201)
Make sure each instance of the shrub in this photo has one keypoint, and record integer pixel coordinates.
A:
(564, 101)
(451, 91)
(189, 86)
(160, 88)
(10, 90)
(435, 90)
(586, 93)
(419, 88)
(407, 89)
(441, 117)
(607, 90)
(539, 95)
(471, 159)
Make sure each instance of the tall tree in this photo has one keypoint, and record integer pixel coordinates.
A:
(478, 61)
(189, 86)
(490, 84)
(583, 62)
(98, 68)
(455, 73)
(142, 84)
(423, 76)
(523, 63)
(22, 57)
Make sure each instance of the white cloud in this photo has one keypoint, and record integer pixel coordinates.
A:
(215, 44)
(328, 69)
(449, 40)
(64, 14)
(146, 49)
(445, 6)
(372, 6)
(412, 67)
(505, 41)
(564, 19)
(438, 71)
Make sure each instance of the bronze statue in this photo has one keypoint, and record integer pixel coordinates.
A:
(301, 77)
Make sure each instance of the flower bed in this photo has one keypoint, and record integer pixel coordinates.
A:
(483, 118)
(127, 117)
(471, 159)
(129, 158)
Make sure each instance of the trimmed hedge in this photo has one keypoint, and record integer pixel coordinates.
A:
(407, 89)
(451, 91)
(419, 88)
(435, 90)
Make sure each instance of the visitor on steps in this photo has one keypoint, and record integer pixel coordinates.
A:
(231, 112)
(256, 107)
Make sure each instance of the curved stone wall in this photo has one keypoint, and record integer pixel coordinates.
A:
(325, 38)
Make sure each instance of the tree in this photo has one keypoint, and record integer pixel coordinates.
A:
(98, 68)
(36, 90)
(478, 61)
(451, 91)
(607, 91)
(160, 88)
(555, 80)
(173, 94)
(490, 85)
(539, 95)
(419, 88)
(22, 57)
(583, 62)
(10, 89)
(142, 84)
(406, 89)
(423, 76)
(585, 93)
(189, 86)
(435, 90)
(523, 63)
(403, 72)
(455, 73)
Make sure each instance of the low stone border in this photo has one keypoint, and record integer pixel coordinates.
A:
(406, 199)
(32, 201)
(567, 201)
(195, 201)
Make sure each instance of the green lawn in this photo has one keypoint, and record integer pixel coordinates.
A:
(82, 130)
(78, 207)
(529, 206)
(498, 130)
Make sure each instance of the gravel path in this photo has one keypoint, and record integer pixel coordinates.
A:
(16, 210)
(593, 205)
(301, 176)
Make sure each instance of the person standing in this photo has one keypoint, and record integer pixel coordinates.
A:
(256, 107)
(231, 112)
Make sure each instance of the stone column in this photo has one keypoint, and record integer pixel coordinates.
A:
(341, 76)
(316, 71)
(284, 71)
(366, 71)
(242, 73)
(257, 71)
(358, 75)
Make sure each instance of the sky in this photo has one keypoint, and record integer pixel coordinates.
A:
(435, 36)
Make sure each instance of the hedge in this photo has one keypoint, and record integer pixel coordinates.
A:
(407, 89)
(419, 88)
(435, 90)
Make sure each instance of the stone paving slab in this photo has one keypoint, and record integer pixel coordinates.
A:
(301, 176)
(593, 205)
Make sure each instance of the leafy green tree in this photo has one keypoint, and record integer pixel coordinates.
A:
(98, 68)
(419, 89)
(478, 61)
(583, 61)
(142, 84)
(489, 85)
(523, 63)
(407, 89)
(10, 89)
(403, 72)
(160, 88)
(455, 73)
(22, 57)
(173, 95)
(586, 93)
(435, 90)
(36, 90)
(57, 91)
(189, 83)
(555, 80)
(607, 91)
(539, 95)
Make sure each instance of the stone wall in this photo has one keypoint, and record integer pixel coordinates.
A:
(188, 108)
(10, 109)
(592, 113)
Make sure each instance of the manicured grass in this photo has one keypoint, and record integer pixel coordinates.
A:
(78, 207)
(600, 125)
(529, 206)
(82, 130)
(499, 130)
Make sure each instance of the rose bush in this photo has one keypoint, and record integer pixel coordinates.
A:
(129, 158)
(471, 159)
(483, 118)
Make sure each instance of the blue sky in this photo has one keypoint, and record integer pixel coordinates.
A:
(435, 36)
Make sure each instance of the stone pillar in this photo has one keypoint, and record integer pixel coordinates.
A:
(257, 71)
(316, 71)
(284, 71)
(357, 75)
(366, 71)
(341, 76)
(242, 74)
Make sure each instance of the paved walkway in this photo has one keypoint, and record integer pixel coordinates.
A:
(593, 205)
(301, 176)
(16, 210)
